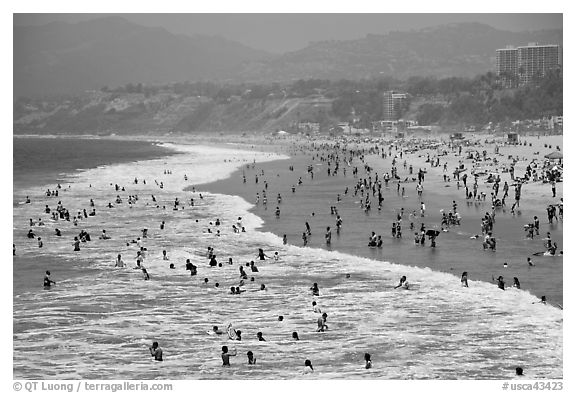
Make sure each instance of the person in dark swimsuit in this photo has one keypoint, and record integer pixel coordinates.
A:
(251, 357)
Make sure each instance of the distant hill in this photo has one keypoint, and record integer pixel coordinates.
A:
(71, 58)
(462, 50)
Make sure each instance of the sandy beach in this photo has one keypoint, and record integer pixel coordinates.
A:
(425, 332)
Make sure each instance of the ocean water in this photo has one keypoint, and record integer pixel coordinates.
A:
(41, 160)
(455, 252)
(98, 321)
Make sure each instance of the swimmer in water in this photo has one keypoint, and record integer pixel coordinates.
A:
(259, 335)
(500, 282)
(47, 280)
(156, 351)
(315, 290)
(516, 283)
(145, 274)
(251, 357)
(308, 367)
(295, 336)
(464, 279)
(119, 261)
(542, 300)
(403, 283)
(217, 330)
(261, 254)
(243, 274)
(316, 308)
(368, 360)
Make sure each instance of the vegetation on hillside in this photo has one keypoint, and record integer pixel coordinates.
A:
(190, 106)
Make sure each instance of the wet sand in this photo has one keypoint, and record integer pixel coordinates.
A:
(455, 251)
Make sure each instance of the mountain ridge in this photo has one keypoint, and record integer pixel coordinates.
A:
(65, 58)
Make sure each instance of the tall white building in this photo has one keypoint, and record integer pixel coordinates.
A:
(534, 61)
(392, 104)
(526, 64)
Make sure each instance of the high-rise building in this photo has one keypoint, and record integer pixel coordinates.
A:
(534, 61)
(507, 66)
(392, 105)
(526, 64)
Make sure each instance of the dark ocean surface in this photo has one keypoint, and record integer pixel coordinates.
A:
(40, 161)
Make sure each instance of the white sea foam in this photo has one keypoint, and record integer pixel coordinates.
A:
(98, 324)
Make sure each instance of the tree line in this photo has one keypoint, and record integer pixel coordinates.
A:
(430, 100)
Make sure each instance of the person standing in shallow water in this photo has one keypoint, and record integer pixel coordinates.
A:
(315, 290)
(322, 323)
(328, 236)
(500, 283)
(368, 360)
(261, 254)
(47, 280)
(308, 367)
(76, 244)
(226, 355)
(156, 351)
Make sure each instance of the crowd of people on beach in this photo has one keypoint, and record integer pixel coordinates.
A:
(367, 187)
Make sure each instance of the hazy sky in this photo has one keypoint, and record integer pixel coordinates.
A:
(285, 32)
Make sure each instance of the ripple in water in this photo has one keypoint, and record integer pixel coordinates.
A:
(98, 321)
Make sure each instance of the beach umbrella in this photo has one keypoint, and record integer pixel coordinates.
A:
(555, 155)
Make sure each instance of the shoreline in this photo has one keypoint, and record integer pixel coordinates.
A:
(27, 173)
(442, 261)
(119, 304)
